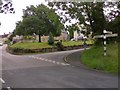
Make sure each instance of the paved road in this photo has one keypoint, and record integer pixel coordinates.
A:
(50, 71)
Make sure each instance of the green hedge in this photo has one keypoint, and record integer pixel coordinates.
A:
(18, 50)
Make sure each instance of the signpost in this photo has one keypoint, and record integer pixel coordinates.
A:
(85, 44)
(104, 36)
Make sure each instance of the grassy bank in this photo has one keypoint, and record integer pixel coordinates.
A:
(94, 58)
(44, 47)
(36, 45)
(31, 45)
(72, 43)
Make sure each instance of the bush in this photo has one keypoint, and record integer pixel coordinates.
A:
(60, 46)
(51, 39)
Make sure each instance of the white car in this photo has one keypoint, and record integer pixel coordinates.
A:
(1, 43)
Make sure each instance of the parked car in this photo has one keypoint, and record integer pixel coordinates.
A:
(1, 43)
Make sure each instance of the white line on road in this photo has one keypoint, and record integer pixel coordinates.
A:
(42, 59)
(2, 80)
(46, 60)
(9, 88)
(58, 63)
(67, 64)
(51, 61)
(62, 63)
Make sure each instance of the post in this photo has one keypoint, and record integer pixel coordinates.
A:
(104, 42)
(85, 44)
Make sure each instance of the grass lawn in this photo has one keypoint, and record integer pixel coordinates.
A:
(72, 43)
(31, 45)
(94, 58)
(36, 45)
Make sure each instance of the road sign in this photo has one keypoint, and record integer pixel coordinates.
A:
(105, 35)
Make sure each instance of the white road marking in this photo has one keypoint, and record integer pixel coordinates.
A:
(58, 63)
(67, 64)
(42, 58)
(62, 63)
(9, 88)
(45, 60)
(2, 80)
(51, 61)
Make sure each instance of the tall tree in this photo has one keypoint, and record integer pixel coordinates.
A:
(6, 7)
(40, 20)
(88, 13)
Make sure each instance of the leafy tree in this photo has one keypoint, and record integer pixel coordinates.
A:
(6, 7)
(114, 10)
(113, 18)
(11, 36)
(71, 30)
(86, 12)
(40, 20)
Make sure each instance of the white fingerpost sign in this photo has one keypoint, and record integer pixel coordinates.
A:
(104, 36)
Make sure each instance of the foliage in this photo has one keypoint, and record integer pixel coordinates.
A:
(51, 39)
(86, 12)
(60, 46)
(114, 25)
(11, 36)
(6, 7)
(114, 10)
(71, 30)
(39, 20)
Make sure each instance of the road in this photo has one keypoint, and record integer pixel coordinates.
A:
(50, 71)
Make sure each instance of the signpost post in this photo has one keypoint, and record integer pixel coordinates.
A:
(85, 44)
(104, 36)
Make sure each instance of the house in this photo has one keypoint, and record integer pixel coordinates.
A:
(77, 34)
(64, 36)
(4, 37)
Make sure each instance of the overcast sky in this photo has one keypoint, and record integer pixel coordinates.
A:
(8, 20)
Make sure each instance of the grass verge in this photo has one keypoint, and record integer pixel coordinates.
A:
(93, 58)
(31, 45)
(72, 43)
(37, 45)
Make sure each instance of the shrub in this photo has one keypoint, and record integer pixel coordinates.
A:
(51, 39)
(60, 46)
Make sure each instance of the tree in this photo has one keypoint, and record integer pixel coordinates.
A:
(71, 30)
(6, 7)
(86, 12)
(51, 39)
(40, 20)
(93, 15)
